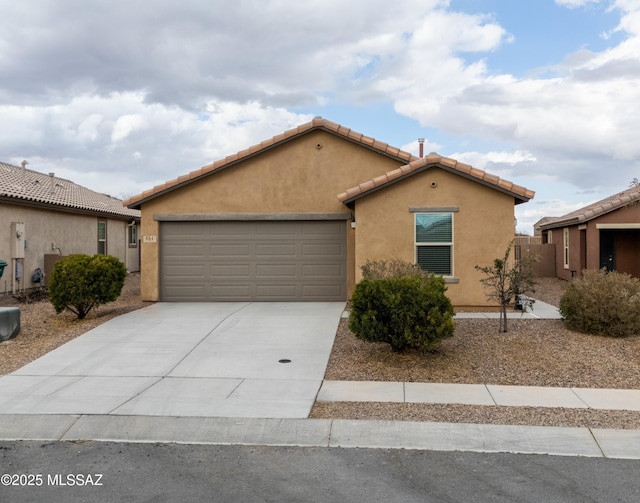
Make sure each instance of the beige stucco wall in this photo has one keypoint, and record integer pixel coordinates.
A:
(72, 233)
(297, 177)
(483, 226)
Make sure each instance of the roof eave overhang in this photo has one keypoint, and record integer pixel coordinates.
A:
(66, 209)
(562, 223)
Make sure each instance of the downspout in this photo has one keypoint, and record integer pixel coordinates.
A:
(126, 244)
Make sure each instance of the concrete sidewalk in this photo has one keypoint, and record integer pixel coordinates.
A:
(479, 394)
(539, 311)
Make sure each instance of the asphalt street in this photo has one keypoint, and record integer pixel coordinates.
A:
(147, 472)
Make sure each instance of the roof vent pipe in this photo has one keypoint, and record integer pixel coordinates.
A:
(421, 142)
(52, 183)
(23, 173)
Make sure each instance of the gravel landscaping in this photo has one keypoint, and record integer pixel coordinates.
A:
(532, 353)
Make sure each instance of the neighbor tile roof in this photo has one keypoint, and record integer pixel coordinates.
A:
(521, 194)
(596, 209)
(29, 186)
(315, 124)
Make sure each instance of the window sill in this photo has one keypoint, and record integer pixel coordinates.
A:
(451, 279)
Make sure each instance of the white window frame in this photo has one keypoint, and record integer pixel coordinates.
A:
(565, 247)
(102, 240)
(132, 235)
(450, 244)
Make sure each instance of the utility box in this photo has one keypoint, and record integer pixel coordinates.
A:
(17, 240)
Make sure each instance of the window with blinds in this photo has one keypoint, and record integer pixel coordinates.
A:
(434, 242)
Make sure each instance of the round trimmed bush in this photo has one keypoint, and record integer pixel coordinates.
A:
(406, 313)
(602, 303)
(81, 282)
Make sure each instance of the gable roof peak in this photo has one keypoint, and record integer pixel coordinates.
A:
(521, 194)
(317, 123)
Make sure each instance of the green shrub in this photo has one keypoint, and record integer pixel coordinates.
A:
(406, 313)
(81, 282)
(602, 303)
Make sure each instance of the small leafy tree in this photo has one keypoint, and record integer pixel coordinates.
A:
(81, 282)
(399, 304)
(506, 280)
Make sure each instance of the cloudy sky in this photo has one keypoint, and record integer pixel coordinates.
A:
(121, 96)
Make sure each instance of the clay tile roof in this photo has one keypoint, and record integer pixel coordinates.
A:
(593, 210)
(316, 123)
(521, 194)
(32, 187)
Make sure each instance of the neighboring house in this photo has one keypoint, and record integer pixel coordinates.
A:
(295, 218)
(603, 234)
(537, 227)
(42, 215)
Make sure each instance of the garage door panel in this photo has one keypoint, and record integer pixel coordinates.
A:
(321, 249)
(275, 250)
(222, 292)
(271, 270)
(271, 230)
(230, 271)
(323, 271)
(247, 261)
(230, 250)
(187, 270)
(231, 232)
(186, 250)
(275, 292)
(186, 292)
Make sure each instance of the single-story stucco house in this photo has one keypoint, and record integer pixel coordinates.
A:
(604, 234)
(43, 216)
(295, 217)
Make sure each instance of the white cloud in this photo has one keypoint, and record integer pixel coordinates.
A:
(125, 125)
(133, 143)
(572, 4)
(584, 118)
(186, 83)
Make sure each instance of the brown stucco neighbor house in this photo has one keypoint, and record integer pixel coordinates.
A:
(603, 234)
(295, 218)
(43, 216)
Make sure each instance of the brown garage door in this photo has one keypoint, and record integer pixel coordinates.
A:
(257, 260)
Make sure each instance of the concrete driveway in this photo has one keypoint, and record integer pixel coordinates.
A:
(259, 360)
